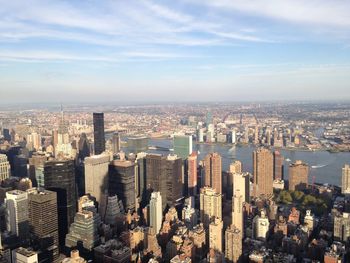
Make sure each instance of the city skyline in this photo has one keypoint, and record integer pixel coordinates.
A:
(74, 51)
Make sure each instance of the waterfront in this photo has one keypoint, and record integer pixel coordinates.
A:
(325, 167)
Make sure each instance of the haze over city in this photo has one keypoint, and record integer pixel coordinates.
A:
(187, 50)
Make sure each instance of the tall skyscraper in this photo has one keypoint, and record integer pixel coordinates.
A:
(116, 143)
(277, 165)
(96, 175)
(241, 183)
(192, 174)
(156, 179)
(17, 219)
(210, 205)
(99, 132)
(4, 167)
(43, 221)
(83, 147)
(183, 145)
(122, 182)
(262, 172)
(345, 182)
(174, 175)
(156, 211)
(233, 244)
(216, 235)
(237, 210)
(60, 178)
(213, 172)
(298, 175)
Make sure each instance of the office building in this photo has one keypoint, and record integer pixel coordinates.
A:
(122, 182)
(189, 216)
(99, 132)
(277, 165)
(262, 173)
(236, 167)
(96, 175)
(241, 182)
(43, 221)
(156, 211)
(60, 178)
(174, 176)
(24, 255)
(116, 146)
(74, 257)
(140, 167)
(213, 172)
(198, 237)
(114, 208)
(17, 219)
(237, 210)
(216, 235)
(261, 226)
(182, 145)
(298, 176)
(210, 206)
(192, 174)
(20, 166)
(83, 147)
(5, 168)
(137, 144)
(233, 244)
(341, 229)
(84, 229)
(345, 182)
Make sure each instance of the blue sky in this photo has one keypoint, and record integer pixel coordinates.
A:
(184, 50)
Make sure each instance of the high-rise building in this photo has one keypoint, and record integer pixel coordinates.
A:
(84, 229)
(156, 211)
(83, 147)
(241, 182)
(183, 145)
(137, 144)
(24, 255)
(341, 230)
(174, 175)
(114, 207)
(262, 173)
(156, 179)
(277, 165)
(261, 226)
(210, 205)
(116, 143)
(20, 166)
(140, 166)
(213, 172)
(236, 167)
(237, 210)
(233, 244)
(345, 182)
(215, 234)
(122, 182)
(96, 175)
(198, 236)
(192, 174)
(99, 132)
(4, 167)
(298, 176)
(60, 178)
(43, 221)
(17, 219)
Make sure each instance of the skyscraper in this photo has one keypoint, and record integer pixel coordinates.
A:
(96, 175)
(277, 165)
(17, 219)
(43, 221)
(116, 143)
(99, 132)
(174, 175)
(213, 172)
(210, 205)
(122, 182)
(237, 210)
(83, 147)
(156, 211)
(298, 175)
(345, 182)
(215, 234)
(233, 244)
(262, 172)
(4, 167)
(60, 178)
(236, 167)
(183, 145)
(192, 174)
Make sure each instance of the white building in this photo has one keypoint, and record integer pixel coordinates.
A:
(345, 186)
(4, 167)
(23, 255)
(156, 211)
(309, 220)
(17, 216)
(261, 226)
(96, 175)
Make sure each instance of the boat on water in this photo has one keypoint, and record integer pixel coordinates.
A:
(288, 160)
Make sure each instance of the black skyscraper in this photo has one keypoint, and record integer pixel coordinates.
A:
(99, 133)
(59, 176)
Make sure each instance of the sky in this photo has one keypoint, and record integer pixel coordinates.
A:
(184, 50)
